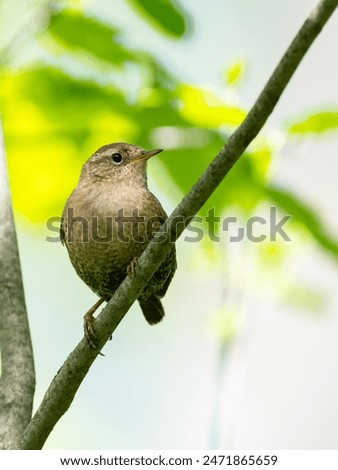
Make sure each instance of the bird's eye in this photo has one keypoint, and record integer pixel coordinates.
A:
(117, 158)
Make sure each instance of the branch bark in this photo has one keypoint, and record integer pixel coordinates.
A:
(64, 386)
(17, 381)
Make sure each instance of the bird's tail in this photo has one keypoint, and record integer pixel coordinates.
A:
(152, 309)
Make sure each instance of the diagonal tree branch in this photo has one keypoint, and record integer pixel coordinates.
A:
(17, 377)
(63, 388)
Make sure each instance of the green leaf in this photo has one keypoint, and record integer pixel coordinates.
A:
(79, 33)
(204, 108)
(304, 215)
(241, 187)
(164, 14)
(234, 73)
(316, 123)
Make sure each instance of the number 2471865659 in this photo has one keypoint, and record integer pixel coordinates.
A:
(240, 460)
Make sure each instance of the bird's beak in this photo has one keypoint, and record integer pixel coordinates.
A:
(146, 154)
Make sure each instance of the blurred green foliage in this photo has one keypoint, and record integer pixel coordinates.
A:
(234, 73)
(316, 123)
(89, 87)
(301, 212)
(78, 33)
(165, 14)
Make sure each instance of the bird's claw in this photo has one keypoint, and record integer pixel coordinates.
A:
(90, 334)
(131, 269)
(88, 327)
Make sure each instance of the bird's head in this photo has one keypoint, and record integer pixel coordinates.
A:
(118, 162)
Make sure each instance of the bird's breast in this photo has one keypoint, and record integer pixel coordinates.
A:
(105, 228)
(110, 225)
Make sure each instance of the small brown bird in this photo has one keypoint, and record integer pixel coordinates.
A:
(108, 221)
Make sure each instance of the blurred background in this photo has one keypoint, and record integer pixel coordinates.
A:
(247, 355)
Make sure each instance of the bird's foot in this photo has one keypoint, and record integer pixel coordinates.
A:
(89, 332)
(131, 269)
(88, 325)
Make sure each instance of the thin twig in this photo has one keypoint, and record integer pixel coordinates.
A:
(63, 388)
(17, 381)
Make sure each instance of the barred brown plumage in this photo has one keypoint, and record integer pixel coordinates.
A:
(108, 221)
